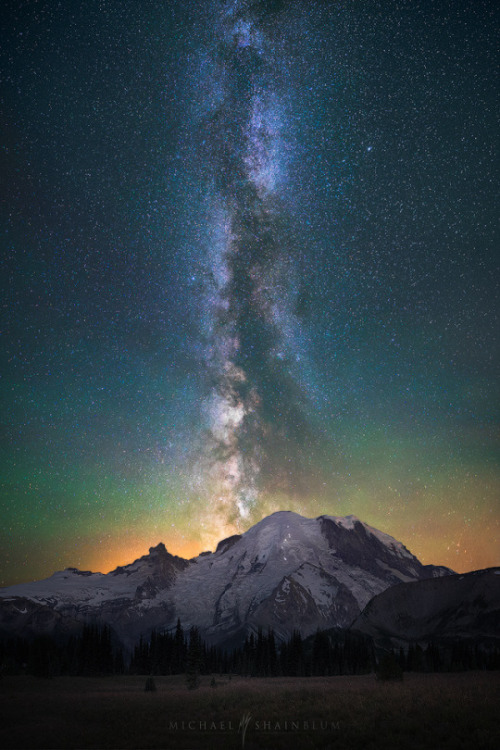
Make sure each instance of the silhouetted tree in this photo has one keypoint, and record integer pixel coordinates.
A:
(194, 654)
(321, 657)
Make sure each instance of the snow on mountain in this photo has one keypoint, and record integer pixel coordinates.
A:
(150, 573)
(287, 572)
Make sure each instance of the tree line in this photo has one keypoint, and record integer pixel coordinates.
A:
(90, 653)
(336, 652)
(261, 655)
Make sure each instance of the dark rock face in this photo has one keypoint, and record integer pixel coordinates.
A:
(362, 549)
(26, 618)
(451, 607)
(226, 544)
(160, 568)
(291, 599)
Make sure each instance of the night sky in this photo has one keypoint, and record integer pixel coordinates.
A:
(248, 264)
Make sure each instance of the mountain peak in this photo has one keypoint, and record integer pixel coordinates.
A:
(159, 549)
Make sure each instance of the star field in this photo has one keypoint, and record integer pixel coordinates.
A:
(248, 264)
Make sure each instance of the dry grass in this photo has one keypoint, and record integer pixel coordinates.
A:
(435, 711)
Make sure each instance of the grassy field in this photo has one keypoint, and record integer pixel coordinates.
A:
(435, 711)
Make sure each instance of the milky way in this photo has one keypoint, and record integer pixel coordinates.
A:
(254, 409)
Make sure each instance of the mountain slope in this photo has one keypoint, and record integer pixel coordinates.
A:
(286, 572)
(454, 607)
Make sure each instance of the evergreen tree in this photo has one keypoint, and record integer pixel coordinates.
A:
(193, 659)
(179, 650)
(321, 654)
(295, 663)
(273, 656)
(43, 658)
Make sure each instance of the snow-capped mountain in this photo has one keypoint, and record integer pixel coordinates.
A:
(286, 572)
(455, 607)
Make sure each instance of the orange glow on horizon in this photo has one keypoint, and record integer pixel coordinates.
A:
(463, 553)
(448, 545)
(124, 552)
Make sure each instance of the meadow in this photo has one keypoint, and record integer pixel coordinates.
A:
(436, 711)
